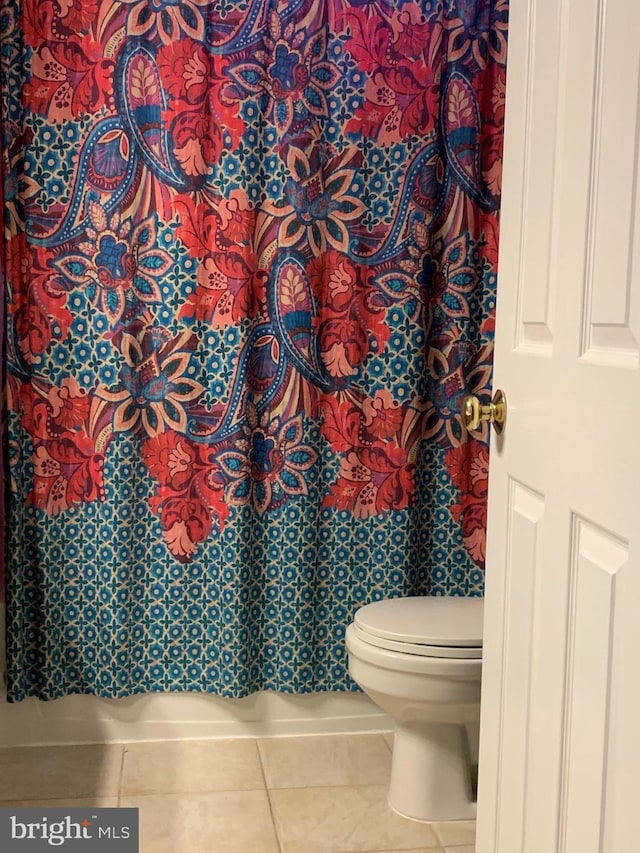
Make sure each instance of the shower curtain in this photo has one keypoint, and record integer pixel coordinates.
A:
(250, 253)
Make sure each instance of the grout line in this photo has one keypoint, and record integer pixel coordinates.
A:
(268, 792)
(431, 849)
(387, 744)
(121, 778)
(331, 787)
(383, 785)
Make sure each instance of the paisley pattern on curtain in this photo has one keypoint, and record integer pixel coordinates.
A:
(251, 251)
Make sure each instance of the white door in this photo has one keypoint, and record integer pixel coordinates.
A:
(560, 731)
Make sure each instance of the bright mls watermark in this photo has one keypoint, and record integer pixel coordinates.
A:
(71, 830)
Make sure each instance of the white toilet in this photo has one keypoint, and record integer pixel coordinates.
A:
(420, 661)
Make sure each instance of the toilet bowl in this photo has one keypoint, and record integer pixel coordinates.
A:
(420, 659)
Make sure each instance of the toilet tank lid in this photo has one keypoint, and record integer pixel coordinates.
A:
(426, 620)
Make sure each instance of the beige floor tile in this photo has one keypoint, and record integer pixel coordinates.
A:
(455, 832)
(181, 766)
(81, 803)
(466, 848)
(327, 760)
(60, 772)
(343, 820)
(218, 822)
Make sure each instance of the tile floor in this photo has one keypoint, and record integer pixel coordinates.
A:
(306, 794)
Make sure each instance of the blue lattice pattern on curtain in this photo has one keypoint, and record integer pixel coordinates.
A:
(251, 258)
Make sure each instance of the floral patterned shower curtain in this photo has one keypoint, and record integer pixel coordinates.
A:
(250, 268)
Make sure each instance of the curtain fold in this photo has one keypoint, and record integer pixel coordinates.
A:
(250, 274)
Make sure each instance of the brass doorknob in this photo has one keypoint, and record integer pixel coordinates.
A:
(473, 412)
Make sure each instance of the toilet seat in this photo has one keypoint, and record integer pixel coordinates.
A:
(421, 649)
(428, 626)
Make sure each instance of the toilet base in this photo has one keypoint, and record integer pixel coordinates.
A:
(431, 773)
